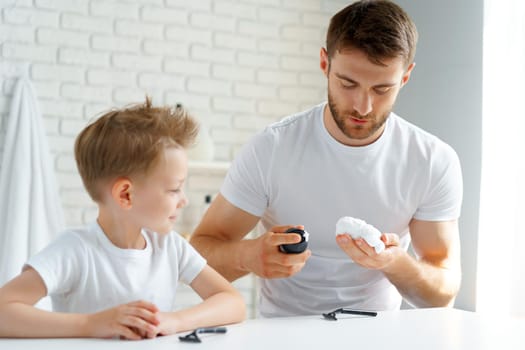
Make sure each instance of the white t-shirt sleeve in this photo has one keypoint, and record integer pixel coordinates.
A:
(191, 263)
(245, 185)
(58, 264)
(443, 197)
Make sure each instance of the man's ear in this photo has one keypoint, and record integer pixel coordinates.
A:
(406, 76)
(121, 192)
(324, 61)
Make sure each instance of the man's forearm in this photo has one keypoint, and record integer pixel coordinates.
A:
(224, 256)
(423, 284)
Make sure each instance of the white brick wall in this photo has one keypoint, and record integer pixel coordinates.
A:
(237, 64)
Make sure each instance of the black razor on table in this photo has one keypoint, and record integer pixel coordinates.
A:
(193, 337)
(295, 248)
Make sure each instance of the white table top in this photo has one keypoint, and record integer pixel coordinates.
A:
(428, 329)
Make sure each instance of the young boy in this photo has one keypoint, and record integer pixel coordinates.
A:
(118, 275)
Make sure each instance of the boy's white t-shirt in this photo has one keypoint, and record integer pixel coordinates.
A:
(294, 172)
(84, 272)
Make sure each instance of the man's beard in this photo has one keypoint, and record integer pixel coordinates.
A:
(356, 132)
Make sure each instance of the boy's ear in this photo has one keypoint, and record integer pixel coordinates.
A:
(121, 192)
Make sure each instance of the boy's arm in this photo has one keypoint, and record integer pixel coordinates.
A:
(222, 304)
(19, 318)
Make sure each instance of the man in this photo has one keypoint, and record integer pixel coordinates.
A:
(351, 157)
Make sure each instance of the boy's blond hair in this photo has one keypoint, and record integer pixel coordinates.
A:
(128, 141)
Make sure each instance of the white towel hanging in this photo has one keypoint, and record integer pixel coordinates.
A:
(30, 209)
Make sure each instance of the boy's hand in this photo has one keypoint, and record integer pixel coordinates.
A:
(135, 320)
(169, 323)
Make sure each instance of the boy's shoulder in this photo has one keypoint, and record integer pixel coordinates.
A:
(64, 252)
(76, 237)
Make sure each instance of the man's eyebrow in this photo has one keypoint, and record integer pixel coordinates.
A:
(344, 77)
(350, 80)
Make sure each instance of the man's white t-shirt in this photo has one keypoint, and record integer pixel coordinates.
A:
(294, 172)
(84, 272)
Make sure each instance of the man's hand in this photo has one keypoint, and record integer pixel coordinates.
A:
(363, 254)
(265, 260)
(135, 320)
